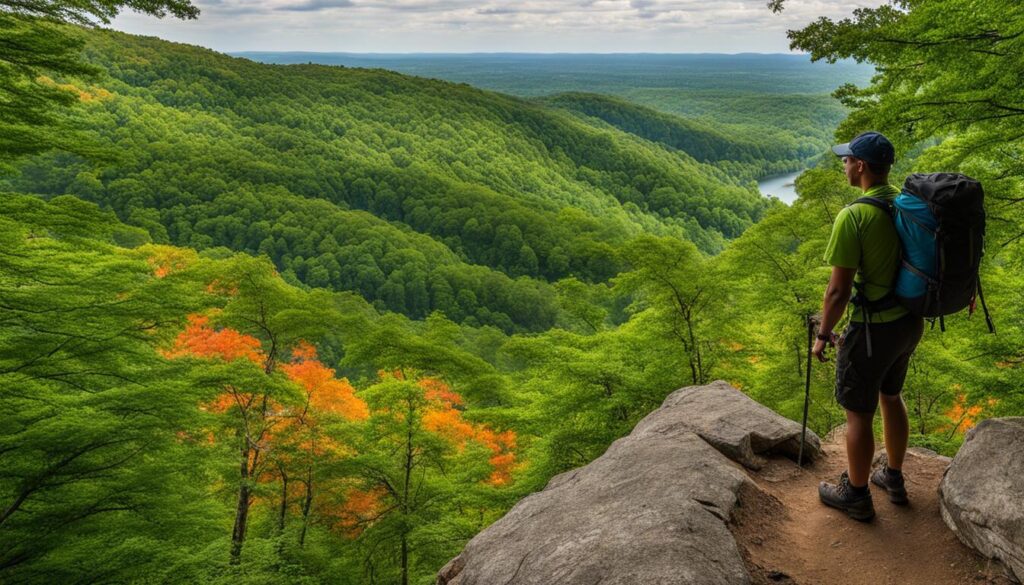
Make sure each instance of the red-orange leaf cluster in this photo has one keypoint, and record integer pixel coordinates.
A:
(303, 350)
(201, 340)
(437, 390)
(444, 419)
(324, 392)
(360, 509)
(222, 403)
(502, 445)
(965, 416)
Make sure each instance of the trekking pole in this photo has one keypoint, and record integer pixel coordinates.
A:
(807, 390)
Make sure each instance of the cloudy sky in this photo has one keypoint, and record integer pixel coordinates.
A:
(401, 26)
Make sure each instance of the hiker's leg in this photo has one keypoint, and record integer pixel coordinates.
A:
(897, 429)
(860, 446)
(906, 334)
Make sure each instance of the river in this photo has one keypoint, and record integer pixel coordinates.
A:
(780, 186)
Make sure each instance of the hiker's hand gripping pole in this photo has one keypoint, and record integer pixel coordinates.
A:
(837, 295)
(821, 343)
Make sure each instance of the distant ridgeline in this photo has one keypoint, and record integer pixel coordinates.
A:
(781, 103)
(737, 154)
(634, 74)
(419, 195)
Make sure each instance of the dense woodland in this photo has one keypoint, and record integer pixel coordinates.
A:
(305, 324)
(321, 169)
(761, 101)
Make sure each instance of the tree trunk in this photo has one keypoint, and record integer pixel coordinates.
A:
(405, 558)
(283, 511)
(241, 510)
(919, 411)
(799, 360)
(696, 367)
(307, 505)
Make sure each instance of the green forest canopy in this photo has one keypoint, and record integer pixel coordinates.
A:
(134, 370)
(335, 174)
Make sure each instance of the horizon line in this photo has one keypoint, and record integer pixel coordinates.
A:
(569, 53)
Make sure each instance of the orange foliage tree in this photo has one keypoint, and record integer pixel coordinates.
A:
(422, 462)
(386, 467)
(305, 441)
(281, 435)
(261, 319)
(250, 401)
(444, 417)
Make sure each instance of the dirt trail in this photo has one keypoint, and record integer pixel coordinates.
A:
(790, 537)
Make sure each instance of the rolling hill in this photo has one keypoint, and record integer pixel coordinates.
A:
(419, 194)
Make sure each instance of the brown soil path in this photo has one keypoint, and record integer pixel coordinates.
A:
(790, 537)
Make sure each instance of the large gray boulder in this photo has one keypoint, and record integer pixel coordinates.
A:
(981, 495)
(647, 511)
(731, 422)
(652, 510)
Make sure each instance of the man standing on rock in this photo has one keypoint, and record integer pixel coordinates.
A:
(875, 348)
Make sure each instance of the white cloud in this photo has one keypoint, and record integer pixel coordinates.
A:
(315, 5)
(490, 25)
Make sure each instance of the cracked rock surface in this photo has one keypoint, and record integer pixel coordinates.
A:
(741, 428)
(982, 493)
(652, 509)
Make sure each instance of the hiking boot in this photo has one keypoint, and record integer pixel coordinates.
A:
(842, 497)
(892, 482)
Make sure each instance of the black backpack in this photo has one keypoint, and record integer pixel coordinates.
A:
(940, 220)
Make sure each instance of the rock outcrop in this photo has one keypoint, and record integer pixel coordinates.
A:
(653, 509)
(731, 422)
(982, 492)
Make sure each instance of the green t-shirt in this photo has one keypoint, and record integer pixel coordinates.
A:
(863, 237)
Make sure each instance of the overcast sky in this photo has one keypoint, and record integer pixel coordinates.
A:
(408, 26)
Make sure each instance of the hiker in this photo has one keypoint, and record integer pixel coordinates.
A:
(875, 348)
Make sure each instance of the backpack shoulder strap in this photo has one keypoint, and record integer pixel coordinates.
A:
(889, 299)
(875, 202)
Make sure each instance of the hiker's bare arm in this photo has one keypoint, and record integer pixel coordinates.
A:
(837, 295)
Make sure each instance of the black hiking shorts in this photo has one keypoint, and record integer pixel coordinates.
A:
(859, 378)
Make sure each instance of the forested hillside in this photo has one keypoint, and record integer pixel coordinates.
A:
(136, 377)
(777, 101)
(741, 156)
(335, 174)
(303, 324)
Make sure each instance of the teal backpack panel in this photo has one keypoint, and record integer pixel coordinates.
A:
(916, 224)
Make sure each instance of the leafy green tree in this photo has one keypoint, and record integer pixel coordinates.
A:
(948, 72)
(88, 12)
(672, 279)
(36, 48)
(93, 445)
(583, 306)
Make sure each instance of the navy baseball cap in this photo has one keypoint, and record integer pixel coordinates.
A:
(868, 146)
